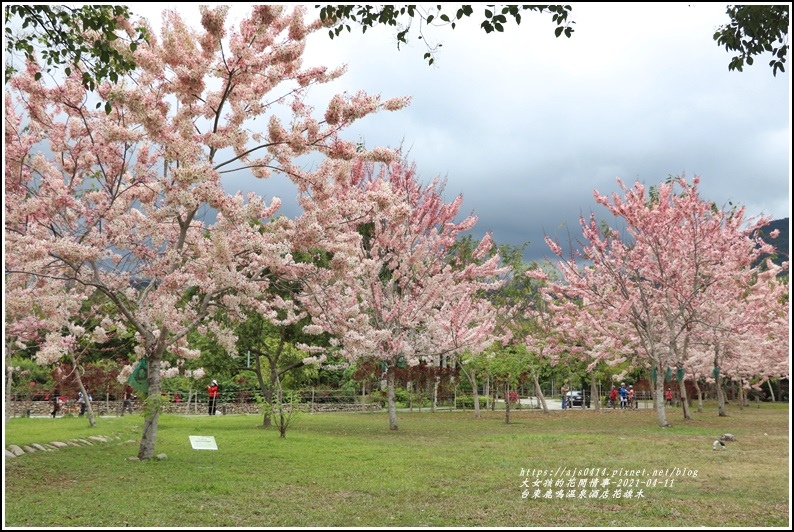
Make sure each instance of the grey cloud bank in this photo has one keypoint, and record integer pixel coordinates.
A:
(526, 126)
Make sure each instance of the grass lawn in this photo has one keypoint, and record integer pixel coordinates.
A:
(443, 469)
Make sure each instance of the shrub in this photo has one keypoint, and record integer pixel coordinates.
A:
(467, 401)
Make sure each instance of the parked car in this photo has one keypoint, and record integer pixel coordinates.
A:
(575, 398)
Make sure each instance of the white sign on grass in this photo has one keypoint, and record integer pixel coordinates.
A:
(206, 443)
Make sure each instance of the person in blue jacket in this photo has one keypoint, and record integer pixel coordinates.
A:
(624, 395)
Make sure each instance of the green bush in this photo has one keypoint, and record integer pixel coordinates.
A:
(467, 401)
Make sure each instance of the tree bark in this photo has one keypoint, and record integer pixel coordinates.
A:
(742, 395)
(475, 394)
(507, 403)
(661, 415)
(720, 397)
(771, 391)
(594, 397)
(684, 399)
(700, 397)
(152, 410)
(539, 393)
(392, 396)
(78, 378)
(435, 396)
(9, 380)
(267, 391)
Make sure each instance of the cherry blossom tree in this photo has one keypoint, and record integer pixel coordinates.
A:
(116, 202)
(742, 334)
(681, 254)
(388, 290)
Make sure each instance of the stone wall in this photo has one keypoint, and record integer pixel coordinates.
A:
(110, 408)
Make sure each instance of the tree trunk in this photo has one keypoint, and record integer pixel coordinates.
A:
(594, 397)
(9, 382)
(661, 415)
(720, 397)
(507, 403)
(471, 375)
(189, 396)
(152, 410)
(88, 408)
(392, 396)
(475, 394)
(494, 396)
(700, 397)
(742, 395)
(539, 392)
(78, 378)
(266, 389)
(771, 391)
(435, 396)
(684, 399)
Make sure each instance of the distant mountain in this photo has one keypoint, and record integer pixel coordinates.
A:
(782, 240)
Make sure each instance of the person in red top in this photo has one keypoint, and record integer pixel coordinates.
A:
(212, 390)
(613, 396)
(668, 395)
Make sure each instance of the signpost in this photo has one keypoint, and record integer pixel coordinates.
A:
(204, 443)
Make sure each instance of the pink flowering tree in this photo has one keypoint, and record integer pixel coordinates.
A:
(653, 289)
(115, 201)
(387, 290)
(742, 332)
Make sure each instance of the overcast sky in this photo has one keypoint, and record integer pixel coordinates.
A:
(526, 125)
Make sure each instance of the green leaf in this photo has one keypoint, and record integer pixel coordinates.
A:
(488, 13)
(558, 31)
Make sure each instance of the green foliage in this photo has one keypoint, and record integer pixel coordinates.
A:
(752, 30)
(403, 16)
(467, 401)
(285, 411)
(59, 33)
(755, 30)
(151, 404)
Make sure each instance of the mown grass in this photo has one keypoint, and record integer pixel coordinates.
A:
(443, 469)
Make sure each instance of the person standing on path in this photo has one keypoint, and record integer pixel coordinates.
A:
(564, 392)
(56, 406)
(81, 402)
(212, 390)
(127, 404)
(624, 395)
